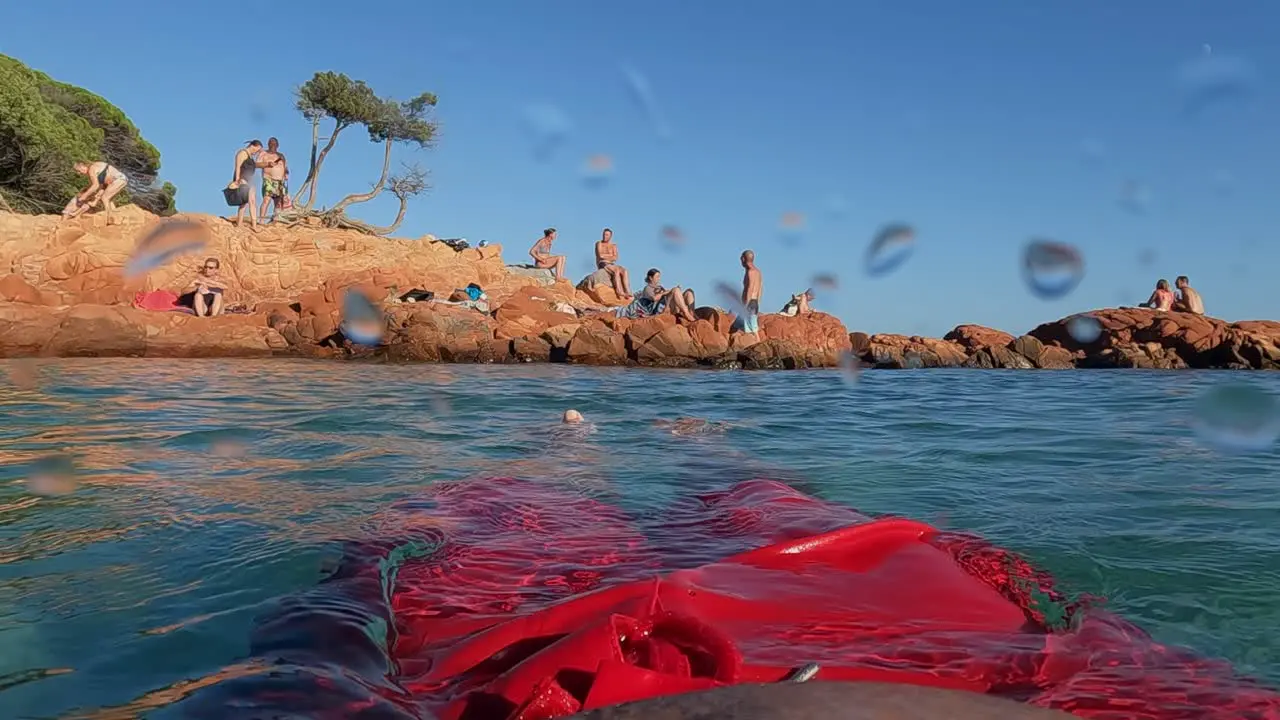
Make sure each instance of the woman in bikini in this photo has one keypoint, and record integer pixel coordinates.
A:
(105, 182)
(1162, 298)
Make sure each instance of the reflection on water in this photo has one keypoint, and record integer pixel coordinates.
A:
(206, 490)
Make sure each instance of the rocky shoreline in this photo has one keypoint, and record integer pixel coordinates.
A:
(63, 294)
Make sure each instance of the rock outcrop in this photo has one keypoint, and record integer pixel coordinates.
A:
(1126, 338)
(63, 293)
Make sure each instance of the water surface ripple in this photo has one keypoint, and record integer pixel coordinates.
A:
(208, 491)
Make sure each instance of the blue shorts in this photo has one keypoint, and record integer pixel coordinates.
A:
(749, 320)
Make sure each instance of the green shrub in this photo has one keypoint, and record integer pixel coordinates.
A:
(46, 126)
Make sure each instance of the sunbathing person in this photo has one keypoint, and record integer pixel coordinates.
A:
(105, 182)
(1189, 300)
(541, 254)
(798, 304)
(1161, 298)
(655, 299)
(207, 300)
(607, 260)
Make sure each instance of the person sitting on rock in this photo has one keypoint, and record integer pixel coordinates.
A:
(654, 299)
(541, 254)
(607, 260)
(105, 182)
(1189, 300)
(798, 304)
(207, 288)
(1161, 298)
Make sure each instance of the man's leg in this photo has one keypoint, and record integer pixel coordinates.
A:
(626, 281)
(197, 302)
(108, 205)
(265, 199)
(216, 309)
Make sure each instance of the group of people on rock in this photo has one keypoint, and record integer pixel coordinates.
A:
(107, 181)
(1186, 299)
(655, 298)
(240, 192)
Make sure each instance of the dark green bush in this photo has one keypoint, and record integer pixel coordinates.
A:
(46, 126)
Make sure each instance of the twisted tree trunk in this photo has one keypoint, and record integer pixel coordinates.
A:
(313, 176)
(377, 188)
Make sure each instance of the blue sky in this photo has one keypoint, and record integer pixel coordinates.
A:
(981, 123)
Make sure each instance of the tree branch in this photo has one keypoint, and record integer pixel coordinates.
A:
(377, 188)
(313, 177)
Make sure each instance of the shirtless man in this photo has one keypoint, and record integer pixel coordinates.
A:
(207, 299)
(105, 182)
(275, 176)
(541, 253)
(607, 260)
(1189, 300)
(752, 286)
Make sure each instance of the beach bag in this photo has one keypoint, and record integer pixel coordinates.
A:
(236, 196)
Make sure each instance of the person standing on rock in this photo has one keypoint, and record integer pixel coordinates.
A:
(542, 257)
(752, 287)
(105, 182)
(1189, 300)
(607, 260)
(248, 160)
(275, 179)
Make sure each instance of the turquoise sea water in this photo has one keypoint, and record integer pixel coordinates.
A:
(208, 489)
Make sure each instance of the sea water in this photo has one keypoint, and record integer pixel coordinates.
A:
(151, 510)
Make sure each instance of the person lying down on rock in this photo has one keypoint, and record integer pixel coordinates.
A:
(655, 299)
(798, 304)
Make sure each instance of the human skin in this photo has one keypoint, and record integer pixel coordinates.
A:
(826, 700)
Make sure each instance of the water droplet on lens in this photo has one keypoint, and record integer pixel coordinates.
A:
(440, 406)
(824, 282)
(163, 243)
(1135, 197)
(228, 448)
(730, 296)
(850, 368)
(548, 127)
(24, 373)
(1237, 418)
(1147, 257)
(1223, 183)
(1212, 79)
(642, 94)
(362, 321)
(1093, 151)
(837, 206)
(596, 171)
(52, 475)
(1084, 328)
(889, 249)
(672, 238)
(791, 228)
(1051, 269)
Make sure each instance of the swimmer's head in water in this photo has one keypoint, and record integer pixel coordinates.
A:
(571, 417)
